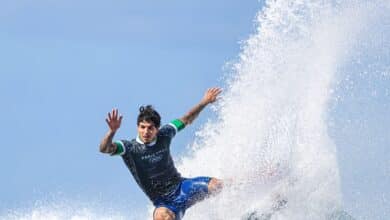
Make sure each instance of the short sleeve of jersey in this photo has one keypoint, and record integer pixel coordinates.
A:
(121, 147)
(172, 128)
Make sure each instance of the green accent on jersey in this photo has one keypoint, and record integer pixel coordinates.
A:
(119, 148)
(178, 124)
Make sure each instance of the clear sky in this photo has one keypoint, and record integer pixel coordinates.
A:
(65, 64)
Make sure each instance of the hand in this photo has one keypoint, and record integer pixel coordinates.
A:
(113, 121)
(211, 95)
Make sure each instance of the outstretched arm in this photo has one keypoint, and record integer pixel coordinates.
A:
(114, 123)
(209, 97)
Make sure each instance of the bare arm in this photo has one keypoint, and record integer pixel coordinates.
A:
(209, 97)
(114, 123)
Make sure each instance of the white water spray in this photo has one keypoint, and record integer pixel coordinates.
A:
(271, 137)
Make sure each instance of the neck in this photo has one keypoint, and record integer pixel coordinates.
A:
(141, 141)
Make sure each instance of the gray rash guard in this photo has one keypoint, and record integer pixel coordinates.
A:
(151, 164)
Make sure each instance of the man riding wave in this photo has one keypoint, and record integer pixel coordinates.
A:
(149, 160)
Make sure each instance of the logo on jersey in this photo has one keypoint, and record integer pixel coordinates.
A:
(155, 157)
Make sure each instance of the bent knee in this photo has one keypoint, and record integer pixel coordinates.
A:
(163, 213)
(215, 185)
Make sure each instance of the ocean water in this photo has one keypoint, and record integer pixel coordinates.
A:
(270, 138)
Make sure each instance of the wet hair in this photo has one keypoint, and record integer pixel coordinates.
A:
(149, 114)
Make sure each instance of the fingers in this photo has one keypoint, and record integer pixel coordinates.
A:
(213, 93)
(114, 120)
(214, 90)
(217, 91)
(113, 115)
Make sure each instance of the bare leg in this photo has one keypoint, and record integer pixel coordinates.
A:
(162, 213)
(215, 186)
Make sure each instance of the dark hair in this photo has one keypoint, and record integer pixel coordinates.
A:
(148, 114)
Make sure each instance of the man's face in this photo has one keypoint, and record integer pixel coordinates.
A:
(147, 131)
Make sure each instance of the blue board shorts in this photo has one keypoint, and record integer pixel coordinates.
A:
(190, 191)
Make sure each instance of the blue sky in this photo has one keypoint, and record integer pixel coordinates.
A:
(65, 64)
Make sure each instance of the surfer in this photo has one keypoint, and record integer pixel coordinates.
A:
(150, 162)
